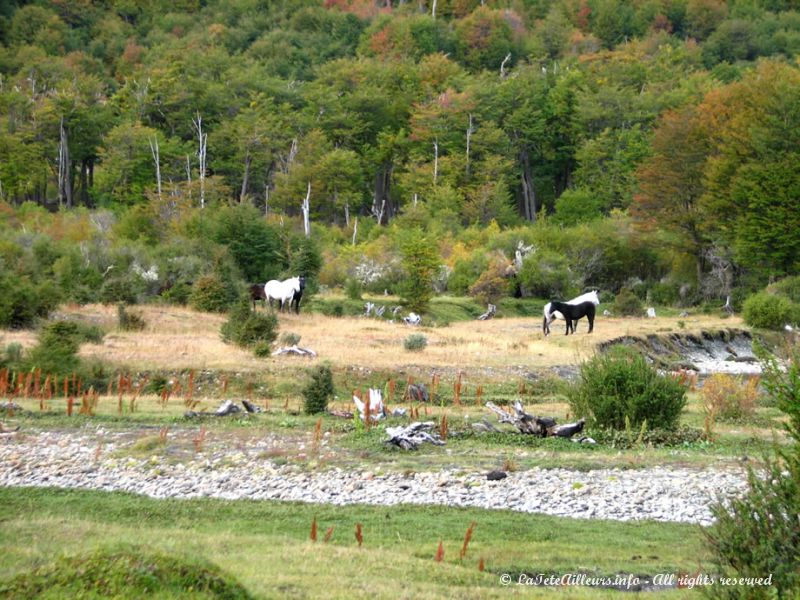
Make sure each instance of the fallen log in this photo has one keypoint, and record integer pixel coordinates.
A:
(295, 349)
(410, 437)
(524, 422)
(534, 425)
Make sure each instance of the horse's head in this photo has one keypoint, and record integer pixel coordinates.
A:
(593, 296)
(302, 282)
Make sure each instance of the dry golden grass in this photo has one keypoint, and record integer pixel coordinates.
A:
(180, 338)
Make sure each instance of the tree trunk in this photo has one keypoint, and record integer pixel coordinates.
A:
(381, 197)
(247, 160)
(528, 191)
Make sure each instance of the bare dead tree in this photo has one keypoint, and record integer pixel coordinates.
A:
(154, 151)
(433, 9)
(355, 230)
(203, 141)
(376, 212)
(266, 199)
(503, 66)
(306, 210)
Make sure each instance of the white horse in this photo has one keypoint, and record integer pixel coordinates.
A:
(550, 316)
(282, 291)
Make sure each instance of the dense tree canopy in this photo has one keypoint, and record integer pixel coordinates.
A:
(671, 123)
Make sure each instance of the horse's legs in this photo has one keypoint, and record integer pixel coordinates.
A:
(545, 326)
(591, 323)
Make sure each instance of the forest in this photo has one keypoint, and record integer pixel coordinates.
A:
(534, 148)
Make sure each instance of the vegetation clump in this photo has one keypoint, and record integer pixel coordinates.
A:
(620, 390)
(249, 329)
(728, 398)
(128, 573)
(758, 535)
(770, 311)
(628, 304)
(415, 342)
(318, 391)
(129, 321)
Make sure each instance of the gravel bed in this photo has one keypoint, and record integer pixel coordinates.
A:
(72, 460)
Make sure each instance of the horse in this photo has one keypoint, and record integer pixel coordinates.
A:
(285, 291)
(257, 293)
(550, 315)
(573, 312)
(298, 294)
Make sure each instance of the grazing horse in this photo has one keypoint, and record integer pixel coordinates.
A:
(550, 314)
(285, 291)
(573, 312)
(257, 293)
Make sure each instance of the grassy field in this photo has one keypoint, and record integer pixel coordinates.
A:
(266, 546)
(179, 338)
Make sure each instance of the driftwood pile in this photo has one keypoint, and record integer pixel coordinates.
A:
(490, 312)
(410, 437)
(534, 425)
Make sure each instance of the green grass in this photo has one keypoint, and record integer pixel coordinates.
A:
(265, 546)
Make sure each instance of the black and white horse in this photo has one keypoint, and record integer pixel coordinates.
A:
(551, 314)
(573, 312)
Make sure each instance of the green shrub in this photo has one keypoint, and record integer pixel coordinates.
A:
(619, 389)
(788, 287)
(547, 274)
(665, 294)
(415, 342)
(119, 289)
(210, 294)
(178, 294)
(250, 329)
(290, 339)
(57, 350)
(769, 311)
(759, 534)
(22, 302)
(420, 262)
(628, 304)
(129, 321)
(125, 573)
(318, 390)
(353, 289)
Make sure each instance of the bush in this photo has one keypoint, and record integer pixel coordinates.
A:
(353, 289)
(129, 321)
(619, 389)
(546, 274)
(759, 534)
(127, 572)
(415, 342)
(250, 329)
(318, 390)
(290, 339)
(729, 398)
(57, 350)
(421, 263)
(788, 287)
(119, 289)
(21, 302)
(210, 294)
(769, 311)
(628, 304)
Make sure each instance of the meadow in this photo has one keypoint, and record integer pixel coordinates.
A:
(265, 546)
